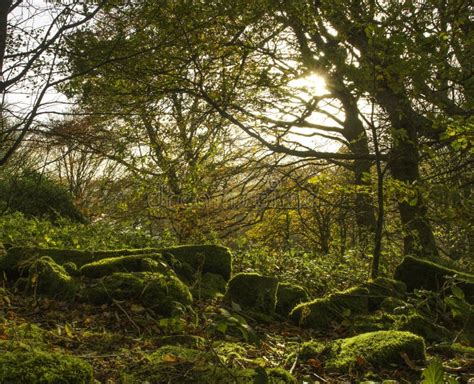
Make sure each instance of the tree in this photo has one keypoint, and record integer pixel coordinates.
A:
(30, 63)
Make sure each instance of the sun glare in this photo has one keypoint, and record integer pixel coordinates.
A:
(313, 84)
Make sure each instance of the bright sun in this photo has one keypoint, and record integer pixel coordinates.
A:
(312, 84)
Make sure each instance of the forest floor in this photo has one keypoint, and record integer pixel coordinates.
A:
(118, 338)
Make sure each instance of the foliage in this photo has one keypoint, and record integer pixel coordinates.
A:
(18, 230)
(36, 195)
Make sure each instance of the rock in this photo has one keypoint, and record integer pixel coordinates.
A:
(381, 349)
(378, 321)
(209, 286)
(71, 268)
(197, 258)
(50, 279)
(288, 297)
(42, 367)
(132, 263)
(381, 288)
(160, 292)
(174, 364)
(252, 292)
(418, 273)
(390, 303)
(204, 258)
(421, 326)
(321, 313)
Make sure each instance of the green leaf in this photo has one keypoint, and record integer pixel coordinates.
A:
(433, 374)
(458, 292)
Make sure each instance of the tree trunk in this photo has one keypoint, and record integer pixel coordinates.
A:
(418, 236)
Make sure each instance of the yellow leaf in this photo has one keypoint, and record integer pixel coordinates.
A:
(169, 358)
(68, 330)
(137, 308)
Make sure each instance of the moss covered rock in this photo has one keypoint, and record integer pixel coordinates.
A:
(321, 313)
(419, 325)
(174, 364)
(132, 263)
(381, 288)
(381, 349)
(389, 304)
(205, 258)
(209, 286)
(51, 279)
(199, 258)
(253, 292)
(288, 297)
(160, 292)
(417, 273)
(42, 367)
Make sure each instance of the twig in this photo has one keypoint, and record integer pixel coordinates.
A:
(128, 316)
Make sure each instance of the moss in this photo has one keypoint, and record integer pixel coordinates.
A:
(71, 268)
(186, 258)
(253, 292)
(382, 287)
(155, 290)
(378, 321)
(132, 263)
(321, 313)
(421, 326)
(39, 367)
(288, 296)
(450, 350)
(206, 258)
(188, 341)
(50, 279)
(312, 349)
(381, 349)
(390, 303)
(209, 286)
(417, 273)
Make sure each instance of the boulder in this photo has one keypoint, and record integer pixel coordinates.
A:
(381, 288)
(34, 367)
(158, 291)
(132, 263)
(421, 326)
(321, 313)
(379, 350)
(185, 258)
(203, 258)
(50, 279)
(252, 292)
(289, 296)
(209, 286)
(419, 273)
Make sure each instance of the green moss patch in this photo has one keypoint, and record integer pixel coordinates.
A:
(419, 325)
(205, 258)
(381, 349)
(209, 286)
(50, 279)
(382, 287)
(321, 313)
(288, 297)
(160, 292)
(253, 292)
(417, 273)
(43, 367)
(132, 263)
